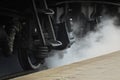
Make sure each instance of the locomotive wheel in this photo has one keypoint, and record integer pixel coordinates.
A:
(28, 60)
(28, 56)
(27, 50)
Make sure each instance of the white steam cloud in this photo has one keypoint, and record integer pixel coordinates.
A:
(104, 40)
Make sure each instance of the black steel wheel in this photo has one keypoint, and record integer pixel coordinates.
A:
(27, 49)
(27, 60)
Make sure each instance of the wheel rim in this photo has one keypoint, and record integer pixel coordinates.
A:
(33, 62)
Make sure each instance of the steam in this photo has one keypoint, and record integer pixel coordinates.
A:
(104, 40)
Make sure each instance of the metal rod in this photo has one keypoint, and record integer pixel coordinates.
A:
(37, 17)
(51, 25)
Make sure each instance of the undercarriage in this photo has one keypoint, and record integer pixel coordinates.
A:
(34, 30)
